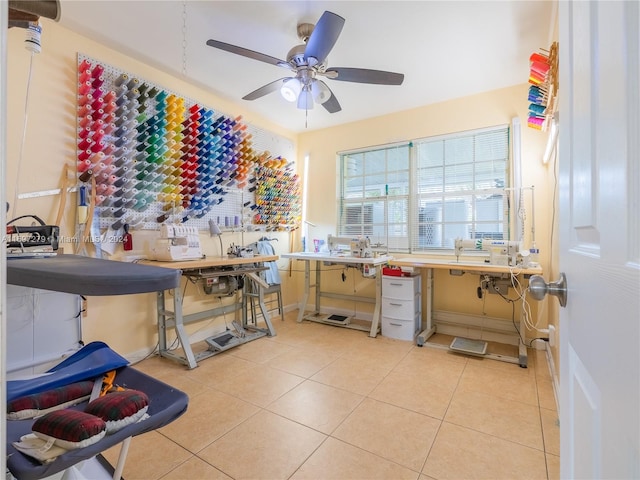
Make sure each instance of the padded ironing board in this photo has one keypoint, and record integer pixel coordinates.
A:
(165, 405)
(90, 276)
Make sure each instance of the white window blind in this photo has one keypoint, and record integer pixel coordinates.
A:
(422, 195)
(374, 197)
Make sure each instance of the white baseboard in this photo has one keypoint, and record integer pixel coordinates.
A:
(555, 381)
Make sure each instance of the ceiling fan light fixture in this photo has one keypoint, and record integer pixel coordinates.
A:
(305, 102)
(291, 89)
(320, 92)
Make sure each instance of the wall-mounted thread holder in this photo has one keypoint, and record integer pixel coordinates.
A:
(277, 194)
(158, 157)
(543, 80)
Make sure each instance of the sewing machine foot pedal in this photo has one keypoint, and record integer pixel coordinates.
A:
(469, 346)
(222, 342)
(338, 319)
(240, 331)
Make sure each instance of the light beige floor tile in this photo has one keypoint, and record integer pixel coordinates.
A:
(542, 366)
(336, 460)
(182, 381)
(303, 362)
(550, 431)
(315, 405)
(196, 469)
(553, 467)
(546, 394)
(155, 365)
(393, 433)
(432, 365)
(266, 446)
(406, 384)
(210, 415)
(502, 383)
(211, 371)
(384, 351)
(356, 377)
(260, 350)
(415, 393)
(151, 455)
(259, 385)
(507, 419)
(334, 340)
(506, 367)
(461, 453)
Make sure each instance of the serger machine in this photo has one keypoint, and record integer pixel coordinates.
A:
(501, 252)
(177, 243)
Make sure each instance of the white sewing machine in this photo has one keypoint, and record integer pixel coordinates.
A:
(177, 243)
(359, 247)
(501, 252)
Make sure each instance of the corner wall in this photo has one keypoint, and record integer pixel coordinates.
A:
(126, 323)
(478, 111)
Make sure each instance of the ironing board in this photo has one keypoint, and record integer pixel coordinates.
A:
(80, 275)
(165, 405)
(90, 276)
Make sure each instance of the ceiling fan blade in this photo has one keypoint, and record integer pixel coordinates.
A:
(331, 104)
(41, 8)
(364, 75)
(265, 89)
(245, 52)
(324, 36)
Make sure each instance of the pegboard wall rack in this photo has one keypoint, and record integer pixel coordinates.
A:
(157, 157)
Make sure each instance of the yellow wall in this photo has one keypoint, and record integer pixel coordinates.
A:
(478, 111)
(128, 323)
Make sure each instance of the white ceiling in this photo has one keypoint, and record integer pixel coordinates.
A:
(445, 49)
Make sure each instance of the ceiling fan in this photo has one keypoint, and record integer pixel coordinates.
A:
(22, 12)
(308, 62)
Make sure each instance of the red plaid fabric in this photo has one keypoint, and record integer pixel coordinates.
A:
(51, 398)
(118, 405)
(69, 425)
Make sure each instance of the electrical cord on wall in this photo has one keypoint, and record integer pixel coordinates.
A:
(23, 141)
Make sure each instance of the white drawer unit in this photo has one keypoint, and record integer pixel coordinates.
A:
(401, 307)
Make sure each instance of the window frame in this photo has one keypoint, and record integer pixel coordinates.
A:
(412, 224)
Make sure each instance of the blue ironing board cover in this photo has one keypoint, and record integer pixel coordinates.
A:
(165, 405)
(91, 361)
(90, 276)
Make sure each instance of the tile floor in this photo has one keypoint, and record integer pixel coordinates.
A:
(323, 402)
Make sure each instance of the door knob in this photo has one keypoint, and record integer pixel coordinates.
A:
(539, 288)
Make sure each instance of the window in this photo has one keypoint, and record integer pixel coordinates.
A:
(374, 197)
(424, 194)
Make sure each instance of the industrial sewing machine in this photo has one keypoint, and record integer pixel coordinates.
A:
(359, 247)
(501, 252)
(177, 243)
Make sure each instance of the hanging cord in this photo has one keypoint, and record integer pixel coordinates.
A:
(14, 208)
(522, 213)
(184, 38)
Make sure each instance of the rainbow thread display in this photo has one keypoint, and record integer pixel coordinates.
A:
(157, 157)
(277, 194)
(543, 80)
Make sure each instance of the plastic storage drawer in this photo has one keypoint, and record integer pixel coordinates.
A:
(400, 329)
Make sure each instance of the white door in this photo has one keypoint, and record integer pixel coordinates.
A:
(599, 240)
